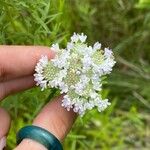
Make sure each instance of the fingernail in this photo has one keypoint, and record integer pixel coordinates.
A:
(2, 143)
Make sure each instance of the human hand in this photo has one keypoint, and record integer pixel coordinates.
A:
(17, 65)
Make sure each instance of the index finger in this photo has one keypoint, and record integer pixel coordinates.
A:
(19, 61)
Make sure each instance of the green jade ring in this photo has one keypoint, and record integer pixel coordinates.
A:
(40, 135)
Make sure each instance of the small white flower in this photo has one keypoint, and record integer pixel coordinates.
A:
(106, 66)
(54, 83)
(87, 62)
(63, 87)
(61, 61)
(81, 85)
(93, 94)
(75, 38)
(38, 76)
(82, 37)
(70, 46)
(84, 79)
(55, 47)
(108, 53)
(66, 102)
(79, 88)
(89, 51)
(44, 60)
(43, 85)
(103, 104)
(97, 46)
(96, 82)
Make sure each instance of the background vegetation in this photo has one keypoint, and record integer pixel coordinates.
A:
(120, 24)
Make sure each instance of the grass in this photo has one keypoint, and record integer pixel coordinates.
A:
(122, 25)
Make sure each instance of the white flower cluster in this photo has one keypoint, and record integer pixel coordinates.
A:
(77, 71)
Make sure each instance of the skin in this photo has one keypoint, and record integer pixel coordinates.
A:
(17, 65)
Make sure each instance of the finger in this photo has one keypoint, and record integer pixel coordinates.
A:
(56, 118)
(4, 127)
(53, 118)
(16, 85)
(18, 61)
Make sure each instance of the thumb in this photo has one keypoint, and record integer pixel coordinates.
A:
(53, 118)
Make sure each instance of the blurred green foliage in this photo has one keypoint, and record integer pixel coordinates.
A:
(143, 4)
(120, 24)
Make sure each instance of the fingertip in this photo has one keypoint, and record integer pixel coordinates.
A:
(5, 122)
(22, 60)
(56, 119)
(43, 50)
